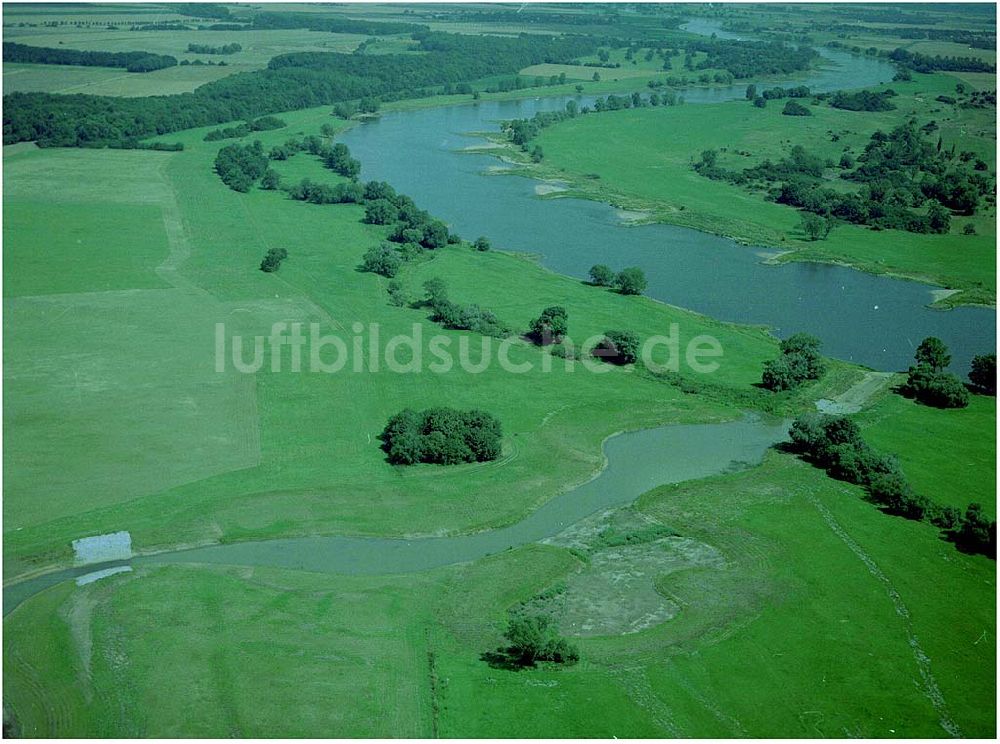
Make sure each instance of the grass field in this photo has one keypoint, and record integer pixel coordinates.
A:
(291, 447)
(796, 634)
(948, 455)
(780, 603)
(641, 159)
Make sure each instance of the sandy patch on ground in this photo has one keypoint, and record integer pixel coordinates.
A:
(550, 187)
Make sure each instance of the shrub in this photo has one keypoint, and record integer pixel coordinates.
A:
(443, 436)
(631, 281)
(984, 373)
(481, 244)
(272, 260)
(977, 533)
(618, 347)
(382, 259)
(601, 275)
(550, 326)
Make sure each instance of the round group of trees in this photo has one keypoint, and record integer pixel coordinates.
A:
(444, 436)
(799, 361)
(630, 281)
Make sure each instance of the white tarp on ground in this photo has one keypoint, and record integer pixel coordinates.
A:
(92, 577)
(115, 546)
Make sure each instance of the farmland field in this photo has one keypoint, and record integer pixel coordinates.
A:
(724, 582)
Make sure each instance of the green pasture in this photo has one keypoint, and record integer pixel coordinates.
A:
(948, 455)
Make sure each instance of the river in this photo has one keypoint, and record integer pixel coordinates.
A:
(876, 321)
(871, 320)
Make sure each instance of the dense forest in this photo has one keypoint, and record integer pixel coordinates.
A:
(131, 61)
(291, 81)
(746, 59)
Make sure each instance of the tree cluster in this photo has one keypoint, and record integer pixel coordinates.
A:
(799, 361)
(746, 59)
(927, 380)
(906, 182)
(443, 436)
(630, 281)
(927, 64)
(239, 166)
(532, 638)
(461, 317)
(209, 49)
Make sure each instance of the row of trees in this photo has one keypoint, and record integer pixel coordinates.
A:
(836, 445)
(291, 82)
(630, 281)
(443, 436)
(461, 317)
(262, 124)
(209, 49)
(131, 61)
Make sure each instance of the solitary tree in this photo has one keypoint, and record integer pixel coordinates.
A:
(602, 275)
(618, 347)
(814, 226)
(550, 326)
(534, 638)
(984, 373)
(631, 281)
(933, 353)
(273, 260)
(482, 244)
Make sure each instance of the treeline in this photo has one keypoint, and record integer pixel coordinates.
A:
(836, 445)
(861, 100)
(907, 182)
(746, 59)
(130, 61)
(208, 49)
(334, 25)
(291, 82)
(924, 63)
(263, 124)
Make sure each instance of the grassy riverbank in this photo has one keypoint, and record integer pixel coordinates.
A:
(642, 160)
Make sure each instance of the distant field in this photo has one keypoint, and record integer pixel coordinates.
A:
(105, 81)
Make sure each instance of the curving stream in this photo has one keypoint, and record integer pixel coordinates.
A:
(636, 462)
(871, 320)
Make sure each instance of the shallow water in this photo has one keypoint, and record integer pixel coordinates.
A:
(636, 462)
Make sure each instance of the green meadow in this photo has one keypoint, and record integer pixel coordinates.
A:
(642, 159)
(778, 601)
